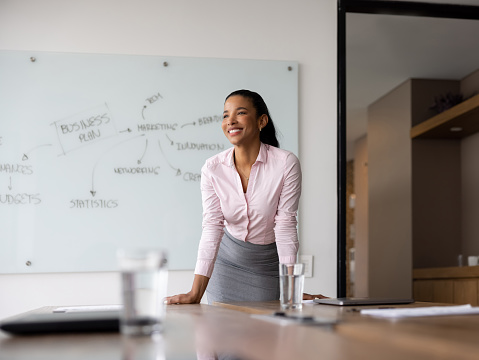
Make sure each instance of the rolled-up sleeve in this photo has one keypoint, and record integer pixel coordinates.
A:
(285, 229)
(213, 224)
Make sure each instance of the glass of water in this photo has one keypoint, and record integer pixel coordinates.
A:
(291, 285)
(144, 279)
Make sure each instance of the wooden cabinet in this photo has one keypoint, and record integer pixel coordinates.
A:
(454, 285)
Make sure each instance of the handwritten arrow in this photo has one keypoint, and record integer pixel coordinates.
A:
(25, 155)
(129, 130)
(178, 171)
(171, 141)
(193, 123)
(92, 191)
(144, 152)
(10, 186)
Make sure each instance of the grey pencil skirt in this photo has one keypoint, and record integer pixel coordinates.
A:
(244, 272)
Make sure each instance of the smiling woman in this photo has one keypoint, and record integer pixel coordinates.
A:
(250, 201)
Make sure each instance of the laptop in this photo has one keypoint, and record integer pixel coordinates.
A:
(346, 301)
(63, 322)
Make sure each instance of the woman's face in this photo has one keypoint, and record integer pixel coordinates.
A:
(240, 122)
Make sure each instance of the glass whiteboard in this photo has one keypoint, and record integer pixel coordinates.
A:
(99, 152)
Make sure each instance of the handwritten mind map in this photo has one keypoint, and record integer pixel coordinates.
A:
(94, 125)
(95, 157)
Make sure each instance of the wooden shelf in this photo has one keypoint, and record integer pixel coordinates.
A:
(446, 273)
(464, 115)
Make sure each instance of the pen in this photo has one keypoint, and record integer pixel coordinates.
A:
(293, 316)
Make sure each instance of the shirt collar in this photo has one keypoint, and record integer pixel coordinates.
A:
(262, 156)
(263, 153)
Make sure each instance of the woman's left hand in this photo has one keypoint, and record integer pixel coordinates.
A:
(312, 297)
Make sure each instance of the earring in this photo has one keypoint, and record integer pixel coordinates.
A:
(260, 129)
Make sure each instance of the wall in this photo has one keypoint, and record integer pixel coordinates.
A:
(470, 195)
(423, 93)
(469, 86)
(436, 202)
(446, 174)
(436, 184)
(414, 191)
(389, 177)
(301, 30)
(470, 178)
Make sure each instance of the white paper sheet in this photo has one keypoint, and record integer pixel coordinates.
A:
(88, 308)
(422, 311)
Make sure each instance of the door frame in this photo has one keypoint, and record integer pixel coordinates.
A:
(381, 7)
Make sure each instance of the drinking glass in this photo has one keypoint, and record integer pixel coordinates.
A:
(144, 278)
(291, 285)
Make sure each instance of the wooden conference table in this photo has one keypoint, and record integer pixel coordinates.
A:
(236, 329)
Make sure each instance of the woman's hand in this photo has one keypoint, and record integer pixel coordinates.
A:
(312, 297)
(187, 298)
(194, 295)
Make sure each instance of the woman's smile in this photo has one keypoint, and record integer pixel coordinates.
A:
(234, 131)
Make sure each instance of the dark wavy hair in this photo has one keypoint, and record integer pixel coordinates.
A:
(268, 133)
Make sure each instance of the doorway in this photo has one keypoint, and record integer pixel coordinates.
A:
(375, 56)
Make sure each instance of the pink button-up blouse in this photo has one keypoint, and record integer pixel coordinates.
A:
(264, 214)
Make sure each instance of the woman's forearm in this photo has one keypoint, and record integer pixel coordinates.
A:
(198, 289)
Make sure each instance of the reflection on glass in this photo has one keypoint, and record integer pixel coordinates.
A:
(143, 347)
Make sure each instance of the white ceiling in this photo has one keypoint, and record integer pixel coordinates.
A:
(382, 51)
